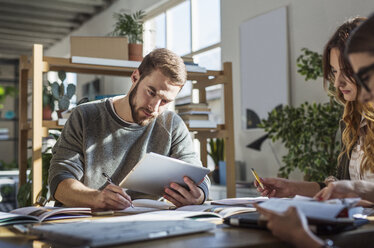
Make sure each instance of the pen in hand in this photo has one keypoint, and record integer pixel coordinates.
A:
(257, 178)
(109, 180)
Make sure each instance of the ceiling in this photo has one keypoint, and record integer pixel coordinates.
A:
(26, 22)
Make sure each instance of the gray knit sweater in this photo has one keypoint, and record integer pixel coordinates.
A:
(96, 140)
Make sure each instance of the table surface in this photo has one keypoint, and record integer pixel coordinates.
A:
(222, 236)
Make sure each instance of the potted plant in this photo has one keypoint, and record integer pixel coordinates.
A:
(309, 131)
(60, 95)
(217, 153)
(131, 26)
(24, 193)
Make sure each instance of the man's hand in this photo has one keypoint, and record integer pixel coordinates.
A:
(275, 187)
(181, 196)
(340, 189)
(113, 197)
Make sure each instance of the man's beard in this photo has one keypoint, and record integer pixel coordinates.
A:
(135, 111)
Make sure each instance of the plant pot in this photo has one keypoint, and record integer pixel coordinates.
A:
(135, 52)
(215, 176)
(47, 113)
(222, 172)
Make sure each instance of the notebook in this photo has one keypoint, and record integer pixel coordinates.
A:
(97, 234)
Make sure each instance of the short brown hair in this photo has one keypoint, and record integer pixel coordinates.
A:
(169, 63)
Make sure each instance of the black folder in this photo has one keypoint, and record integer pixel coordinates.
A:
(319, 226)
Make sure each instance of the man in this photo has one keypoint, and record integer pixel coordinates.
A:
(112, 135)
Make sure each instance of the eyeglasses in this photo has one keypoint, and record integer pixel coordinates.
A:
(361, 76)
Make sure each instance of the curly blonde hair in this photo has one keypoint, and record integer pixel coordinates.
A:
(353, 110)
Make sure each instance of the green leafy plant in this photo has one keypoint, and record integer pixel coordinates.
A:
(130, 26)
(59, 94)
(8, 166)
(6, 91)
(217, 152)
(309, 131)
(24, 193)
(310, 64)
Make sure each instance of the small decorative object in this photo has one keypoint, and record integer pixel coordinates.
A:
(48, 102)
(9, 115)
(217, 154)
(60, 95)
(252, 119)
(131, 26)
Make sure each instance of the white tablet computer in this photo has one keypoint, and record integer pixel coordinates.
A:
(154, 172)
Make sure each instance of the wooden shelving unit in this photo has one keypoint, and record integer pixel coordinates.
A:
(33, 68)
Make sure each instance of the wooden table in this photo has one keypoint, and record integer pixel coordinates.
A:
(222, 236)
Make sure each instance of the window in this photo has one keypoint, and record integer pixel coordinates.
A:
(191, 28)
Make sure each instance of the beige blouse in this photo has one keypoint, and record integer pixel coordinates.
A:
(357, 158)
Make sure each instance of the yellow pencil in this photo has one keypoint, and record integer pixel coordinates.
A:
(257, 178)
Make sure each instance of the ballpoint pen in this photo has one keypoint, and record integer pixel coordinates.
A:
(109, 180)
(257, 178)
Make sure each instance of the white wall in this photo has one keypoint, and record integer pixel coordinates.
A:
(101, 25)
(310, 24)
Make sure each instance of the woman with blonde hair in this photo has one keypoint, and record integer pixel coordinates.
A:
(356, 160)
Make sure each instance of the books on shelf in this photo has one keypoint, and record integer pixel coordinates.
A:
(191, 105)
(4, 133)
(195, 115)
(187, 117)
(123, 63)
(39, 214)
(201, 124)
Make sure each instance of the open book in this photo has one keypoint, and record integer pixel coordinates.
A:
(200, 212)
(243, 202)
(38, 214)
(140, 206)
(313, 209)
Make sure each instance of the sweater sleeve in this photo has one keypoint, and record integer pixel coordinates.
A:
(182, 148)
(67, 160)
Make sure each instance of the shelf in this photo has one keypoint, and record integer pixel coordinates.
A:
(57, 64)
(46, 124)
(10, 139)
(8, 81)
(3, 119)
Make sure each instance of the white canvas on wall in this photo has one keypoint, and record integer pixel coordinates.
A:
(263, 65)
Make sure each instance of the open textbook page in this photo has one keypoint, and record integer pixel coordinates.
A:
(204, 211)
(39, 214)
(140, 206)
(200, 212)
(243, 201)
(312, 208)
